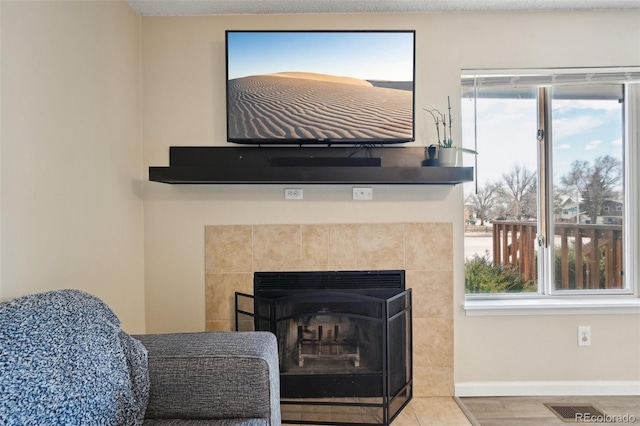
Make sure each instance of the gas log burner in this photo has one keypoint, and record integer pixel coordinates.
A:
(344, 341)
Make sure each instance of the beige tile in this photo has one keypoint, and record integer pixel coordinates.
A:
(432, 293)
(315, 247)
(228, 249)
(219, 325)
(433, 381)
(276, 247)
(291, 412)
(220, 291)
(374, 246)
(432, 342)
(407, 417)
(438, 411)
(372, 415)
(429, 246)
(243, 324)
(342, 247)
(245, 301)
(420, 411)
(316, 412)
(380, 246)
(346, 414)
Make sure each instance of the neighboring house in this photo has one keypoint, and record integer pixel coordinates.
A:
(611, 213)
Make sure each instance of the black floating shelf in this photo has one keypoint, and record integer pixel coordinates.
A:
(302, 165)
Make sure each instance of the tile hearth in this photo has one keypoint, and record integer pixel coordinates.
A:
(423, 411)
(424, 250)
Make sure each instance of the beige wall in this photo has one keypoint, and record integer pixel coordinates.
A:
(71, 153)
(183, 104)
(71, 177)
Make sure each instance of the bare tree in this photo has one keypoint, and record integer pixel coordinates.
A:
(483, 202)
(595, 183)
(518, 193)
(530, 201)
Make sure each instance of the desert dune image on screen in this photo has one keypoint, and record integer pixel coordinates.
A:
(320, 86)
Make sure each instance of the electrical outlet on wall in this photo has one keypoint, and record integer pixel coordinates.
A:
(360, 193)
(293, 194)
(584, 335)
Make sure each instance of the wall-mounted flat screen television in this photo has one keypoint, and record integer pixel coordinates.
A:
(320, 87)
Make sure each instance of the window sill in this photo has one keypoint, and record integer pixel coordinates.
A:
(552, 306)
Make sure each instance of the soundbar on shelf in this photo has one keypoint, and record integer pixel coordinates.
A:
(289, 165)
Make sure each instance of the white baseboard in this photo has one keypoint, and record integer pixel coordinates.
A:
(542, 388)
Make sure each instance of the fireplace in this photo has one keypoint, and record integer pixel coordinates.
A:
(344, 340)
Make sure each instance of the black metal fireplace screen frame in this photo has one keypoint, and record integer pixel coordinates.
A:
(396, 377)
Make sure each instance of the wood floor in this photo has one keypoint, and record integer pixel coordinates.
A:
(531, 411)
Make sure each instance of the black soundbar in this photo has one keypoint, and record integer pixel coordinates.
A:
(326, 162)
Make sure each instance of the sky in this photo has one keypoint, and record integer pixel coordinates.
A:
(506, 134)
(365, 55)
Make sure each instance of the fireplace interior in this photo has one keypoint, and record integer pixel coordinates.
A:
(344, 340)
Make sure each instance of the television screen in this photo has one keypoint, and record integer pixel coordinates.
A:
(320, 87)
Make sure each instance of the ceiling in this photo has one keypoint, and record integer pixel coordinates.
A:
(243, 7)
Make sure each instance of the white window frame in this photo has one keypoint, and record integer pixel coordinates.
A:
(547, 300)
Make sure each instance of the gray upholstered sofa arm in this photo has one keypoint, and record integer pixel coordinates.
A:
(213, 376)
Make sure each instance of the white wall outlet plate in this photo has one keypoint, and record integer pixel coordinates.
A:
(360, 193)
(584, 335)
(293, 194)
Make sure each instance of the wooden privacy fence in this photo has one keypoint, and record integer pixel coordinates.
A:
(586, 256)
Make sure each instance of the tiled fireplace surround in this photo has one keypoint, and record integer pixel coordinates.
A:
(423, 250)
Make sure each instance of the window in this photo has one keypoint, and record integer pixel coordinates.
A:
(549, 213)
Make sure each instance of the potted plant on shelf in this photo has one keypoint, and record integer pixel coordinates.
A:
(447, 151)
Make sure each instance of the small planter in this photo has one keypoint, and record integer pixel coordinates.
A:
(447, 151)
(448, 157)
(431, 156)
